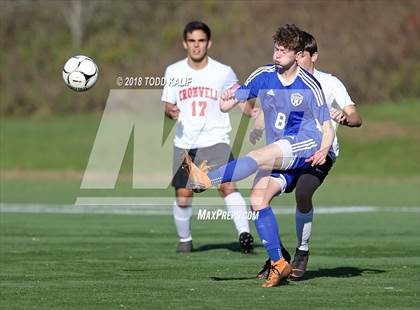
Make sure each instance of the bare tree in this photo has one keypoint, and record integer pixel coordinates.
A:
(77, 14)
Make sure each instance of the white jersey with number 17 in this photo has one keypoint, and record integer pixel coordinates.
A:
(197, 93)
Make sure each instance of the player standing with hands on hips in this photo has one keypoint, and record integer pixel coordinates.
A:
(202, 129)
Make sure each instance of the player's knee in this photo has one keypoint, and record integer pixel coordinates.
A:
(257, 201)
(265, 157)
(183, 203)
(226, 189)
(303, 201)
(183, 198)
(305, 189)
(304, 208)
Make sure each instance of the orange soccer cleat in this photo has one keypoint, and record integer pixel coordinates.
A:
(198, 180)
(278, 271)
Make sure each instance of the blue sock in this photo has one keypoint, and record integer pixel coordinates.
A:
(268, 230)
(234, 170)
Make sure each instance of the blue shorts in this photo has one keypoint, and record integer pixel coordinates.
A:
(296, 150)
(288, 178)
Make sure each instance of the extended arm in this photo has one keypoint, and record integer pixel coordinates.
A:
(259, 120)
(242, 94)
(353, 118)
(328, 135)
(348, 117)
(248, 108)
(228, 100)
(259, 126)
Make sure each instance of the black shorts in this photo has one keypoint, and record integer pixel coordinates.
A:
(320, 171)
(216, 155)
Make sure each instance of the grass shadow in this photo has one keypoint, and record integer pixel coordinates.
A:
(231, 246)
(231, 278)
(338, 272)
(282, 283)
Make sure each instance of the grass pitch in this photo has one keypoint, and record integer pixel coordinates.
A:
(86, 261)
(59, 261)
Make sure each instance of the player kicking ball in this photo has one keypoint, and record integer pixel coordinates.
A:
(191, 96)
(299, 134)
(344, 112)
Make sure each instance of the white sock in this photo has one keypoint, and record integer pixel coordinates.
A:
(303, 229)
(235, 204)
(182, 218)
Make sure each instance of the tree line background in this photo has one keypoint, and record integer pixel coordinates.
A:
(372, 46)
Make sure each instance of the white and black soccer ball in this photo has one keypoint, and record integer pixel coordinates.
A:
(80, 73)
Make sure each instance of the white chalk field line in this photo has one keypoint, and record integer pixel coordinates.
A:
(166, 209)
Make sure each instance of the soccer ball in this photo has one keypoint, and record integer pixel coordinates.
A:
(80, 73)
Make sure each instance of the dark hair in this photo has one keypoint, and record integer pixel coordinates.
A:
(309, 43)
(195, 25)
(288, 36)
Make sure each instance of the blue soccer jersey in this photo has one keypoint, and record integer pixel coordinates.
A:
(294, 112)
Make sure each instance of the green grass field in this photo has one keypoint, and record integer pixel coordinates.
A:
(367, 260)
(56, 261)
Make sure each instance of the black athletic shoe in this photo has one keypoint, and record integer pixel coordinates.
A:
(263, 274)
(246, 242)
(299, 264)
(285, 254)
(184, 247)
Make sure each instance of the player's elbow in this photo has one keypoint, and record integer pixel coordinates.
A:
(358, 121)
(355, 120)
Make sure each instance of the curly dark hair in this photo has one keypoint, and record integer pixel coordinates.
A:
(289, 36)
